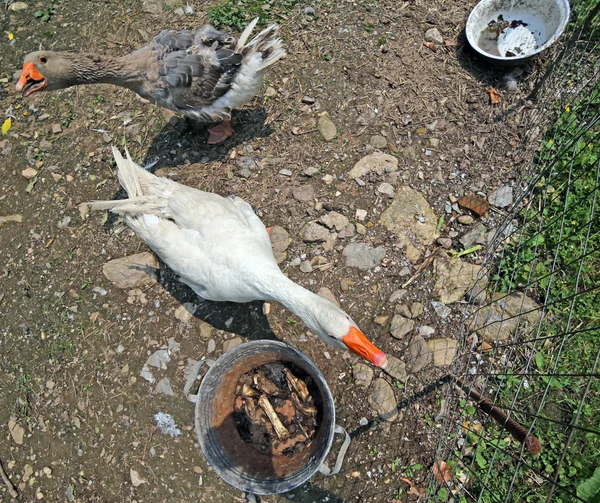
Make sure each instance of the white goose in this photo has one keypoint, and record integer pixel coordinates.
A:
(222, 250)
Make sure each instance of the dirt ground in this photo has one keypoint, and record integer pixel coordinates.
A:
(72, 344)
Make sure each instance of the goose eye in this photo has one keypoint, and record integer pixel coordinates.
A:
(43, 59)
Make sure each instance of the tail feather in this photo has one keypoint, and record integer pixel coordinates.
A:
(266, 43)
(245, 34)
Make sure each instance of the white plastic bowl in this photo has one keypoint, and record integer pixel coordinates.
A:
(546, 19)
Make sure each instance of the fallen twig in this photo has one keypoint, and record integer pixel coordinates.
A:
(515, 429)
(11, 489)
(421, 268)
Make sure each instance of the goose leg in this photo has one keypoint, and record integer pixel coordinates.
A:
(220, 133)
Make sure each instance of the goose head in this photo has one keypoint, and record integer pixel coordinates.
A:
(337, 328)
(40, 69)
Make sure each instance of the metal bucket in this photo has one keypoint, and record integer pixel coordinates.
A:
(237, 462)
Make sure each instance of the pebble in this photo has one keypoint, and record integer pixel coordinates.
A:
(443, 351)
(397, 295)
(285, 172)
(361, 229)
(360, 182)
(434, 35)
(382, 400)
(212, 345)
(56, 128)
(336, 220)
(64, 222)
(17, 432)
(310, 171)
(381, 320)
(327, 128)
(418, 354)
(445, 242)
(45, 145)
(309, 11)
(476, 234)
(304, 193)
(361, 215)
(363, 421)
(426, 331)
(164, 387)
(136, 478)
(416, 309)
(280, 240)
(396, 368)
(376, 162)
(378, 141)
(346, 284)
(306, 266)
(314, 232)
(326, 293)
(363, 374)
(386, 188)
(296, 262)
(270, 91)
(401, 326)
(179, 12)
(309, 100)
(501, 197)
(442, 310)
(466, 219)
(232, 343)
(132, 271)
(29, 173)
(185, 312)
(17, 6)
(363, 256)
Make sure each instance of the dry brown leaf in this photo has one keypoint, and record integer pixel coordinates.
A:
(494, 95)
(413, 489)
(474, 203)
(430, 45)
(450, 43)
(441, 472)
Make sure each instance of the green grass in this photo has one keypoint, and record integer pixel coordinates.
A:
(238, 13)
(556, 257)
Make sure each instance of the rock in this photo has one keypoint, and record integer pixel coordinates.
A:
(164, 387)
(17, 432)
(348, 232)
(106, 137)
(403, 310)
(443, 351)
(454, 277)
(363, 256)
(336, 220)
(329, 243)
(133, 271)
(361, 215)
(310, 171)
(231, 343)
(363, 374)
(442, 310)
(409, 153)
(304, 193)
(314, 232)
(152, 7)
(17, 6)
(396, 368)
(309, 11)
(64, 222)
(382, 400)
(309, 100)
(56, 128)
(465, 219)
(376, 162)
(397, 295)
(401, 326)
(29, 173)
(270, 92)
(386, 189)
(485, 347)
(326, 293)
(306, 266)
(475, 235)
(378, 141)
(501, 197)
(416, 309)
(361, 229)
(410, 215)
(500, 320)
(381, 320)
(327, 128)
(285, 172)
(445, 242)
(434, 35)
(280, 240)
(418, 354)
(211, 346)
(426, 331)
(185, 312)
(346, 284)
(136, 478)
(45, 145)
(180, 12)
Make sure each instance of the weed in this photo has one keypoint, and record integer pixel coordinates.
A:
(238, 13)
(47, 13)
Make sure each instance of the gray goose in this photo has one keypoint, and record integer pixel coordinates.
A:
(203, 74)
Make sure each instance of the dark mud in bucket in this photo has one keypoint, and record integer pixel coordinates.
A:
(239, 463)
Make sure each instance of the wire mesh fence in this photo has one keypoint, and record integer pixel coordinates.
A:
(531, 342)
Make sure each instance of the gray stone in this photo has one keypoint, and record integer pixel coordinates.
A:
(212, 345)
(445, 242)
(314, 232)
(309, 11)
(17, 432)
(397, 295)
(56, 128)
(400, 326)
(442, 310)
(306, 266)
(152, 7)
(185, 312)
(336, 220)
(382, 400)
(410, 215)
(475, 235)
(309, 100)
(304, 193)
(310, 171)
(363, 256)
(396, 368)
(363, 374)
(280, 240)
(404, 310)
(454, 278)
(45, 145)
(443, 351)
(465, 219)
(285, 172)
(416, 309)
(348, 232)
(376, 162)
(164, 387)
(327, 128)
(434, 35)
(419, 355)
(133, 271)
(409, 153)
(386, 189)
(501, 197)
(378, 141)
(426, 331)
(231, 343)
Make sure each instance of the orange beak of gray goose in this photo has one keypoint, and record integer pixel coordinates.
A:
(31, 80)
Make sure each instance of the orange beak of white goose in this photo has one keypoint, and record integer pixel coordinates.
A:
(356, 342)
(31, 80)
